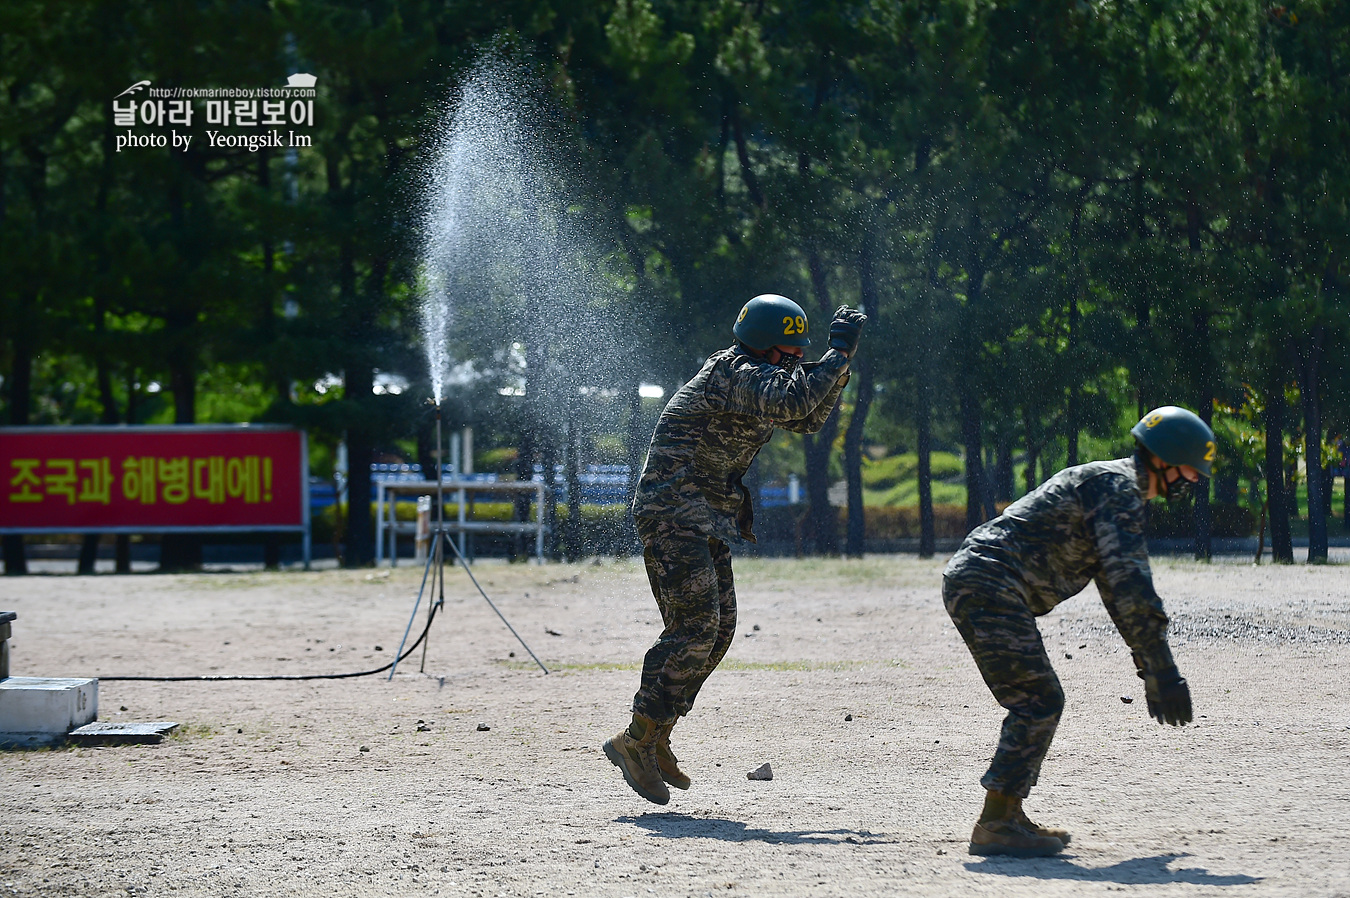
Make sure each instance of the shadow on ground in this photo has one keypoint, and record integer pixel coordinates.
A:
(1137, 871)
(684, 826)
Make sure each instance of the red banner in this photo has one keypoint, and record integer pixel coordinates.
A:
(142, 479)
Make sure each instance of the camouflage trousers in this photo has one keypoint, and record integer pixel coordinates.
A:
(1001, 633)
(690, 574)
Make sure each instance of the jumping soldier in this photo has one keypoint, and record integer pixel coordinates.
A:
(1085, 523)
(690, 503)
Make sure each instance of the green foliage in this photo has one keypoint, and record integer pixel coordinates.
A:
(894, 480)
(1057, 216)
(889, 472)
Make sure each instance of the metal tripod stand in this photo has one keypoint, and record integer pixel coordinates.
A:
(436, 559)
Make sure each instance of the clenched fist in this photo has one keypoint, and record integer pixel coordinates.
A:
(846, 330)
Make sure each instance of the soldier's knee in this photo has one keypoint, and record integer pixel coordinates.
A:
(1050, 703)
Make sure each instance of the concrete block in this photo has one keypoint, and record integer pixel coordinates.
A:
(5, 618)
(38, 711)
(150, 732)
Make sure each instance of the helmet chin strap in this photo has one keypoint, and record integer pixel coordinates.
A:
(1169, 489)
(785, 361)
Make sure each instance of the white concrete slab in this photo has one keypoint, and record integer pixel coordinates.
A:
(41, 710)
(150, 732)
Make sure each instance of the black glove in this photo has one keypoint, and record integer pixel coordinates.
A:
(1169, 698)
(846, 329)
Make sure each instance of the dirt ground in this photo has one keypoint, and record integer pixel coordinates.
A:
(483, 776)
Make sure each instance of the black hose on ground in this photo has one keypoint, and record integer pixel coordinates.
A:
(436, 607)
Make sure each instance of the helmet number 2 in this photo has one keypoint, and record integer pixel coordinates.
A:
(793, 325)
(1209, 450)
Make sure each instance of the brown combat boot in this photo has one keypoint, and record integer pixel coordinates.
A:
(1003, 829)
(633, 751)
(666, 760)
(1053, 832)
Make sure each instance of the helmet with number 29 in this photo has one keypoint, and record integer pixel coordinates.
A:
(1178, 437)
(771, 320)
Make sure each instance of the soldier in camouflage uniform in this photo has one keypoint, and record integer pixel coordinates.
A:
(690, 504)
(1085, 523)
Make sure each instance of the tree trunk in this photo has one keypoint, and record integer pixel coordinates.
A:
(970, 438)
(853, 435)
(1310, 358)
(359, 548)
(1328, 487)
(1345, 494)
(1033, 451)
(1071, 416)
(572, 537)
(1291, 486)
(743, 157)
(924, 450)
(816, 448)
(525, 450)
(122, 552)
(1281, 545)
(181, 551)
(1203, 514)
(20, 399)
(923, 418)
(824, 521)
(637, 441)
(1003, 468)
(853, 438)
(548, 460)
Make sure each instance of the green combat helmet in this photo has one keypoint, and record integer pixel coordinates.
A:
(1178, 437)
(771, 320)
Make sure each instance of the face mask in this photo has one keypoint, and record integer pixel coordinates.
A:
(1176, 490)
(788, 362)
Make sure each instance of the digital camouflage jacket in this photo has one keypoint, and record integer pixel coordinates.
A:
(1085, 523)
(713, 427)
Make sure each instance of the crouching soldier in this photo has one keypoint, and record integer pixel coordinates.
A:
(1085, 523)
(690, 504)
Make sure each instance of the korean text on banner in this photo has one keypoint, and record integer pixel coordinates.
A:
(180, 478)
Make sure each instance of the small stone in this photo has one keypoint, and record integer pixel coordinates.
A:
(848, 717)
(365, 748)
(1068, 655)
(942, 851)
(379, 648)
(755, 627)
(762, 772)
(240, 730)
(1129, 700)
(123, 708)
(510, 654)
(483, 728)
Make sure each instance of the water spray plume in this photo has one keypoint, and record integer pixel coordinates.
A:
(472, 181)
(507, 254)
